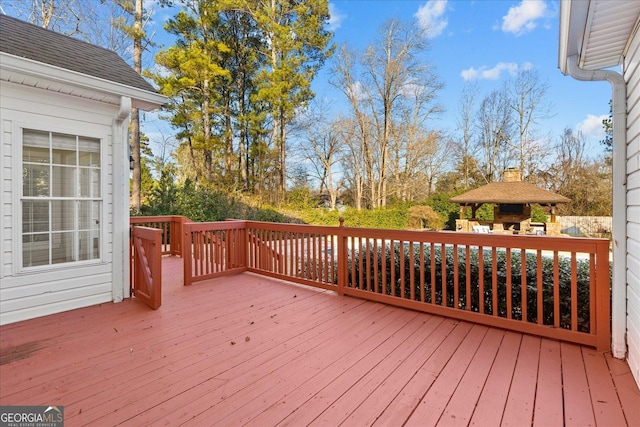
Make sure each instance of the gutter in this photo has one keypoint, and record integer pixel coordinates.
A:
(619, 280)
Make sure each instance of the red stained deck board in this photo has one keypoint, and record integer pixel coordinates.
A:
(222, 378)
(492, 400)
(458, 411)
(247, 372)
(437, 397)
(520, 403)
(311, 355)
(371, 378)
(338, 388)
(377, 401)
(606, 405)
(403, 405)
(548, 405)
(578, 411)
(626, 388)
(127, 364)
(307, 400)
(264, 393)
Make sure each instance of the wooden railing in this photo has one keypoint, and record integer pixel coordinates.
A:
(213, 249)
(170, 243)
(171, 227)
(147, 265)
(299, 253)
(554, 287)
(551, 287)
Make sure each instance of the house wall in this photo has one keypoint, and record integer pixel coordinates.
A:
(28, 293)
(632, 77)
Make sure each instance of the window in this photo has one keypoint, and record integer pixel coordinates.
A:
(61, 198)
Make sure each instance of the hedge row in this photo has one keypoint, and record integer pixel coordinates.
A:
(450, 258)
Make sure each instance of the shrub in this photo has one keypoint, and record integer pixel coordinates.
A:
(363, 259)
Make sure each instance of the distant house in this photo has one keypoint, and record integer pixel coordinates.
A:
(512, 212)
(596, 35)
(64, 171)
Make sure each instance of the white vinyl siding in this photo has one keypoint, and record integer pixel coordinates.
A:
(27, 292)
(632, 77)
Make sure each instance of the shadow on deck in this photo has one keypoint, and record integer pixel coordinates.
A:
(251, 350)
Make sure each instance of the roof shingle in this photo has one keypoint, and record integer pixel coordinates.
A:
(29, 41)
(510, 192)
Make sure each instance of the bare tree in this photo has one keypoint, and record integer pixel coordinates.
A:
(495, 125)
(391, 92)
(586, 181)
(352, 158)
(395, 72)
(345, 79)
(465, 127)
(320, 145)
(529, 105)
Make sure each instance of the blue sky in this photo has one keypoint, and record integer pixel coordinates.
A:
(482, 42)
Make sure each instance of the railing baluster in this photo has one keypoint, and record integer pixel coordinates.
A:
(556, 290)
(422, 273)
(574, 292)
(523, 285)
(540, 287)
(443, 281)
(412, 283)
(456, 281)
(481, 307)
(433, 274)
(494, 282)
(508, 285)
(467, 266)
(383, 262)
(402, 275)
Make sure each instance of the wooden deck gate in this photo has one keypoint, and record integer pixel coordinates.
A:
(147, 265)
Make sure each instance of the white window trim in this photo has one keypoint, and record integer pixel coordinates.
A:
(47, 126)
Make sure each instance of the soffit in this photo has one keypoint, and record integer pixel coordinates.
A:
(608, 29)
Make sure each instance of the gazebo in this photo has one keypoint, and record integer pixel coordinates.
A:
(512, 214)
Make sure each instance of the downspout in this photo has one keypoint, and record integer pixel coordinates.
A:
(120, 200)
(619, 280)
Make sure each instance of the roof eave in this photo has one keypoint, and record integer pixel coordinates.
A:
(573, 19)
(142, 99)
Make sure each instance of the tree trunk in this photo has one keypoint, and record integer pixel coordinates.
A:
(135, 115)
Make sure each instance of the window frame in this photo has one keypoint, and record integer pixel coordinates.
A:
(102, 200)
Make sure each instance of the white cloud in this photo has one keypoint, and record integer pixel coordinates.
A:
(431, 17)
(523, 18)
(335, 17)
(591, 127)
(358, 91)
(484, 73)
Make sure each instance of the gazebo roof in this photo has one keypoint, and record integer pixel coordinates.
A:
(517, 192)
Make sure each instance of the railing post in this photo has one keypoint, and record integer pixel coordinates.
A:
(342, 258)
(156, 268)
(244, 244)
(603, 299)
(186, 254)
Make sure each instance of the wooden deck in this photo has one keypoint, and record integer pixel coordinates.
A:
(250, 350)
